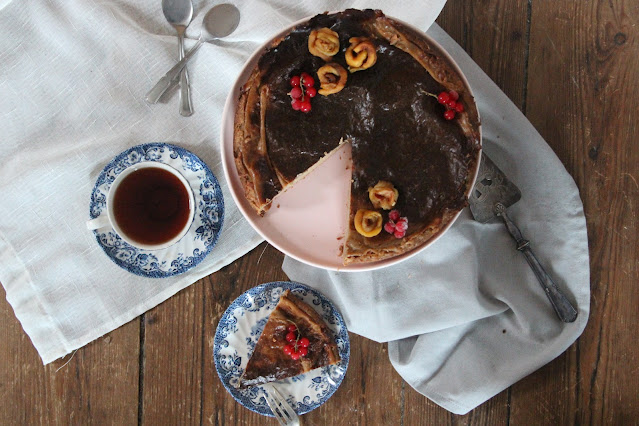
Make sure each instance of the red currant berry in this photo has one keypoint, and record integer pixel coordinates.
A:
(296, 93)
(402, 225)
(304, 342)
(311, 92)
(389, 227)
(296, 104)
(453, 95)
(295, 81)
(308, 81)
(288, 349)
(290, 337)
(399, 234)
(394, 215)
(291, 328)
(451, 104)
(459, 107)
(306, 106)
(443, 98)
(295, 356)
(303, 351)
(449, 115)
(304, 76)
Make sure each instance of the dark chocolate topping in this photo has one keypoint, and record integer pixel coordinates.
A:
(397, 131)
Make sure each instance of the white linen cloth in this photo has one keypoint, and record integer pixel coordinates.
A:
(73, 76)
(466, 318)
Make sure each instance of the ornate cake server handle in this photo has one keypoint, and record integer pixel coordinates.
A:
(564, 309)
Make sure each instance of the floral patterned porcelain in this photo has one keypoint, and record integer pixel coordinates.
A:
(203, 233)
(238, 332)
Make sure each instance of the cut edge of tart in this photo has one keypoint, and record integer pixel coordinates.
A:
(293, 324)
(356, 250)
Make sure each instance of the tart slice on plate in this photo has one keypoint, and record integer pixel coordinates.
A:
(295, 340)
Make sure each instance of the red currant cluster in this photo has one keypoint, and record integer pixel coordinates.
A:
(449, 100)
(302, 91)
(297, 346)
(396, 225)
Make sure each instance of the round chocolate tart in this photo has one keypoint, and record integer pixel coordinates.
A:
(414, 155)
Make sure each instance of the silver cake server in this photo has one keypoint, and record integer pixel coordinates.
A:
(492, 195)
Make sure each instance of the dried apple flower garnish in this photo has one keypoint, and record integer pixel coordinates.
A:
(332, 78)
(323, 43)
(368, 222)
(383, 195)
(361, 54)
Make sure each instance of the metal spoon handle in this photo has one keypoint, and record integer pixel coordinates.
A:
(165, 82)
(186, 106)
(564, 309)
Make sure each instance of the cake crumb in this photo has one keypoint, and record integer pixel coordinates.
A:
(340, 237)
(341, 250)
(278, 206)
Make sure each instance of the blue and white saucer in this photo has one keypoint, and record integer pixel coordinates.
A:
(241, 326)
(201, 236)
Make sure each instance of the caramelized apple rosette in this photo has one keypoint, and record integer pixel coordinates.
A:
(323, 43)
(332, 77)
(361, 54)
(368, 222)
(383, 195)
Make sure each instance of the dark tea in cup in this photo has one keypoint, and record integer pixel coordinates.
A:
(151, 206)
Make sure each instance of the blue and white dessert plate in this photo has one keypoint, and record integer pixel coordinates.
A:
(241, 326)
(201, 237)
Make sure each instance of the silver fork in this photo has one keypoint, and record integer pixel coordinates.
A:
(281, 409)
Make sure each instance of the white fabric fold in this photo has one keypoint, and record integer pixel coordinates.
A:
(466, 318)
(73, 76)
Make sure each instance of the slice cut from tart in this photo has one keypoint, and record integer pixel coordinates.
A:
(295, 340)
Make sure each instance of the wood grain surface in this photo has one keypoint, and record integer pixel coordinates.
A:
(573, 68)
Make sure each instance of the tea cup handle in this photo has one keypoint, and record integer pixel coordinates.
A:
(98, 222)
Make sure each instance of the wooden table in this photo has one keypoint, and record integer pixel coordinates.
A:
(573, 68)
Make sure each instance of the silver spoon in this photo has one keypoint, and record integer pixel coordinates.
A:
(218, 22)
(179, 13)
